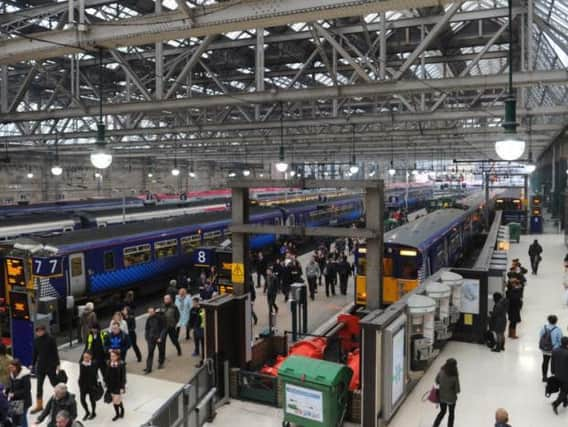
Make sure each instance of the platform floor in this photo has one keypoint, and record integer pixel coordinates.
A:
(146, 393)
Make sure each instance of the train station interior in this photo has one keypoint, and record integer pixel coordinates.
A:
(283, 213)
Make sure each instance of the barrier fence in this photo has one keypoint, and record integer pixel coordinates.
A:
(193, 404)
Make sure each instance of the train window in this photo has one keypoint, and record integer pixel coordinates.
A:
(454, 244)
(439, 261)
(189, 243)
(76, 266)
(165, 248)
(387, 266)
(409, 270)
(109, 261)
(213, 238)
(134, 255)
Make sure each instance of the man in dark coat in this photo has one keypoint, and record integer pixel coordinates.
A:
(343, 270)
(155, 334)
(515, 298)
(560, 371)
(46, 363)
(498, 320)
(272, 287)
(62, 400)
(535, 251)
(171, 314)
(330, 274)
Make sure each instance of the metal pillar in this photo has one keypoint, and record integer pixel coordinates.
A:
(240, 215)
(486, 208)
(528, 207)
(374, 204)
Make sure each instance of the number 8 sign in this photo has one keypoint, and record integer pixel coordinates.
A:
(202, 257)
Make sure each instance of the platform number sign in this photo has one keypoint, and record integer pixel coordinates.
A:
(203, 257)
(47, 267)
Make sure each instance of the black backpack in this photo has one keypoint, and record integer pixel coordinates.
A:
(545, 342)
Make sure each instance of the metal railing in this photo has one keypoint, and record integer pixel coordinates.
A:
(193, 404)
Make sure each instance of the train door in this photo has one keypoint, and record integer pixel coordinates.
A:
(77, 281)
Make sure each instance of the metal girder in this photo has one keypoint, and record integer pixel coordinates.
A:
(344, 54)
(293, 95)
(434, 32)
(130, 73)
(332, 133)
(209, 20)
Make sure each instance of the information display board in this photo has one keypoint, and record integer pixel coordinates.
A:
(398, 361)
(395, 366)
(15, 272)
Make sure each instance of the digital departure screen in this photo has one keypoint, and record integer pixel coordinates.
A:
(15, 272)
(19, 306)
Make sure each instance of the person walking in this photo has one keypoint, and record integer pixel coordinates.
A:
(330, 273)
(312, 274)
(61, 400)
(252, 292)
(128, 315)
(535, 254)
(116, 383)
(343, 270)
(261, 270)
(96, 344)
(498, 321)
(88, 319)
(560, 371)
(5, 420)
(171, 316)
(272, 287)
(88, 380)
(449, 383)
(550, 338)
(20, 389)
(5, 360)
(183, 304)
(501, 418)
(197, 323)
(514, 297)
(117, 340)
(46, 363)
(155, 333)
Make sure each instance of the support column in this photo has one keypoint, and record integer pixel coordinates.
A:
(159, 60)
(383, 47)
(4, 89)
(374, 203)
(240, 215)
(259, 67)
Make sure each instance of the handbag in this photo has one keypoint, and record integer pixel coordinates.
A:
(108, 396)
(552, 386)
(434, 395)
(62, 376)
(98, 391)
(16, 407)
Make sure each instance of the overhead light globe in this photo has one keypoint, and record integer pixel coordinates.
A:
(372, 173)
(98, 175)
(530, 168)
(150, 174)
(232, 174)
(30, 175)
(101, 159)
(281, 166)
(175, 171)
(392, 172)
(246, 172)
(192, 174)
(261, 175)
(56, 170)
(510, 147)
(353, 169)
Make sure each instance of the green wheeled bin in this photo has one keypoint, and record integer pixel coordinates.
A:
(315, 392)
(515, 232)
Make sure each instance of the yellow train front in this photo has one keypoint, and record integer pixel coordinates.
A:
(416, 250)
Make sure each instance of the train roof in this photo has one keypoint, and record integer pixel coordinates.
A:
(308, 203)
(421, 232)
(87, 236)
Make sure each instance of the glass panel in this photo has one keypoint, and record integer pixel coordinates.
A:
(165, 248)
(189, 243)
(76, 266)
(137, 254)
(109, 261)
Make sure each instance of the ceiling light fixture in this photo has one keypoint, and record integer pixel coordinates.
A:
(101, 158)
(353, 168)
(56, 170)
(232, 174)
(281, 165)
(510, 147)
(150, 174)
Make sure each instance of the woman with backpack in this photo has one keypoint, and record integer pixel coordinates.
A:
(549, 339)
(449, 388)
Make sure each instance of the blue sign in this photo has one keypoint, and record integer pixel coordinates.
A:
(47, 267)
(203, 257)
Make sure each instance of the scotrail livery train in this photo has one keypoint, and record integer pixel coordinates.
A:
(96, 262)
(416, 250)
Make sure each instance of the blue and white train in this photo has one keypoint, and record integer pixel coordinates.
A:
(93, 263)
